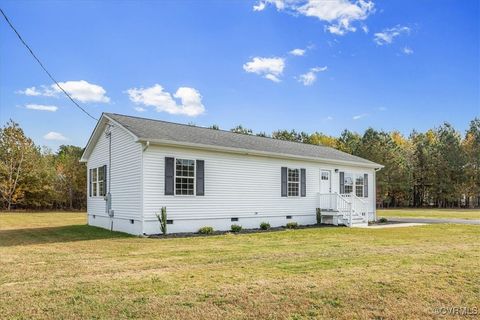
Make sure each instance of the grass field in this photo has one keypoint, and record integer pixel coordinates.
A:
(52, 266)
(469, 214)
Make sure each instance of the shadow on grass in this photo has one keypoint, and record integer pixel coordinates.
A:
(32, 236)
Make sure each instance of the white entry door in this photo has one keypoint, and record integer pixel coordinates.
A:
(325, 189)
(325, 181)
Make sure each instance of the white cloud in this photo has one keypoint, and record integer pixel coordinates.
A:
(311, 76)
(298, 52)
(83, 91)
(55, 136)
(382, 109)
(387, 35)
(140, 109)
(407, 50)
(360, 116)
(339, 14)
(80, 90)
(272, 77)
(155, 96)
(34, 91)
(329, 118)
(259, 6)
(270, 68)
(365, 29)
(41, 107)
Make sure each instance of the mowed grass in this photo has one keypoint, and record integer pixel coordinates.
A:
(62, 269)
(470, 214)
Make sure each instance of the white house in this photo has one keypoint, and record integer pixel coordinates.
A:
(207, 177)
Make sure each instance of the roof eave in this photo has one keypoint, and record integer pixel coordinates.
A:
(104, 119)
(258, 153)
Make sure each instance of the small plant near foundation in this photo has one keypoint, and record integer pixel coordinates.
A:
(162, 219)
(319, 216)
(205, 230)
(235, 228)
(383, 220)
(291, 225)
(264, 225)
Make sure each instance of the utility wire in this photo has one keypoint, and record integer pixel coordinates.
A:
(43, 67)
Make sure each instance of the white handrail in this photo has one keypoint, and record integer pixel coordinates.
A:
(360, 206)
(335, 202)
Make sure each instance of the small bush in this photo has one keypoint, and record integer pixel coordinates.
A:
(235, 228)
(291, 225)
(382, 220)
(319, 216)
(264, 225)
(162, 219)
(205, 230)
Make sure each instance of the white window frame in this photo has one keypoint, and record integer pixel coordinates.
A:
(194, 178)
(360, 175)
(96, 191)
(354, 183)
(352, 176)
(293, 182)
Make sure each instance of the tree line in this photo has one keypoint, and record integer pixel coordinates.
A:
(439, 167)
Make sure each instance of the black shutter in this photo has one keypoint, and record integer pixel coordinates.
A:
(365, 185)
(200, 177)
(342, 182)
(90, 182)
(104, 168)
(303, 182)
(169, 176)
(284, 181)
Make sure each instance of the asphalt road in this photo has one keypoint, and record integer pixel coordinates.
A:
(428, 220)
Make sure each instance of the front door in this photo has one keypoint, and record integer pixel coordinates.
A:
(325, 181)
(325, 189)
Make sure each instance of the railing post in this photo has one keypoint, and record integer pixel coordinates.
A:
(350, 216)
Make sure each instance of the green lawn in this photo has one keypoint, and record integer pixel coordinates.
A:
(470, 214)
(54, 267)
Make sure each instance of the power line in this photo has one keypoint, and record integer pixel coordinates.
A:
(43, 67)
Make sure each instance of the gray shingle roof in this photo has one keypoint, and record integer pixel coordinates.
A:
(151, 130)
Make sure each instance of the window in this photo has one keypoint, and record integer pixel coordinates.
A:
(355, 183)
(184, 177)
(98, 179)
(101, 181)
(359, 185)
(348, 181)
(293, 182)
(94, 182)
(325, 175)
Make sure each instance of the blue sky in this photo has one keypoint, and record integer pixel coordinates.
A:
(384, 64)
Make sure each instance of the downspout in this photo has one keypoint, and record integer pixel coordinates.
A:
(144, 148)
(375, 193)
(109, 185)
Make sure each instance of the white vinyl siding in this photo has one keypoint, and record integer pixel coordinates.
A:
(236, 185)
(126, 173)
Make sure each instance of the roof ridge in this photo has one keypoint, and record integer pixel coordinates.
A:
(276, 144)
(221, 130)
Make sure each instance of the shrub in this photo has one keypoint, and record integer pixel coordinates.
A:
(162, 219)
(205, 230)
(264, 225)
(291, 225)
(235, 228)
(319, 216)
(382, 220)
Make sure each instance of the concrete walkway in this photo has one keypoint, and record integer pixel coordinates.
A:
(392, 225)
(429, 220)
